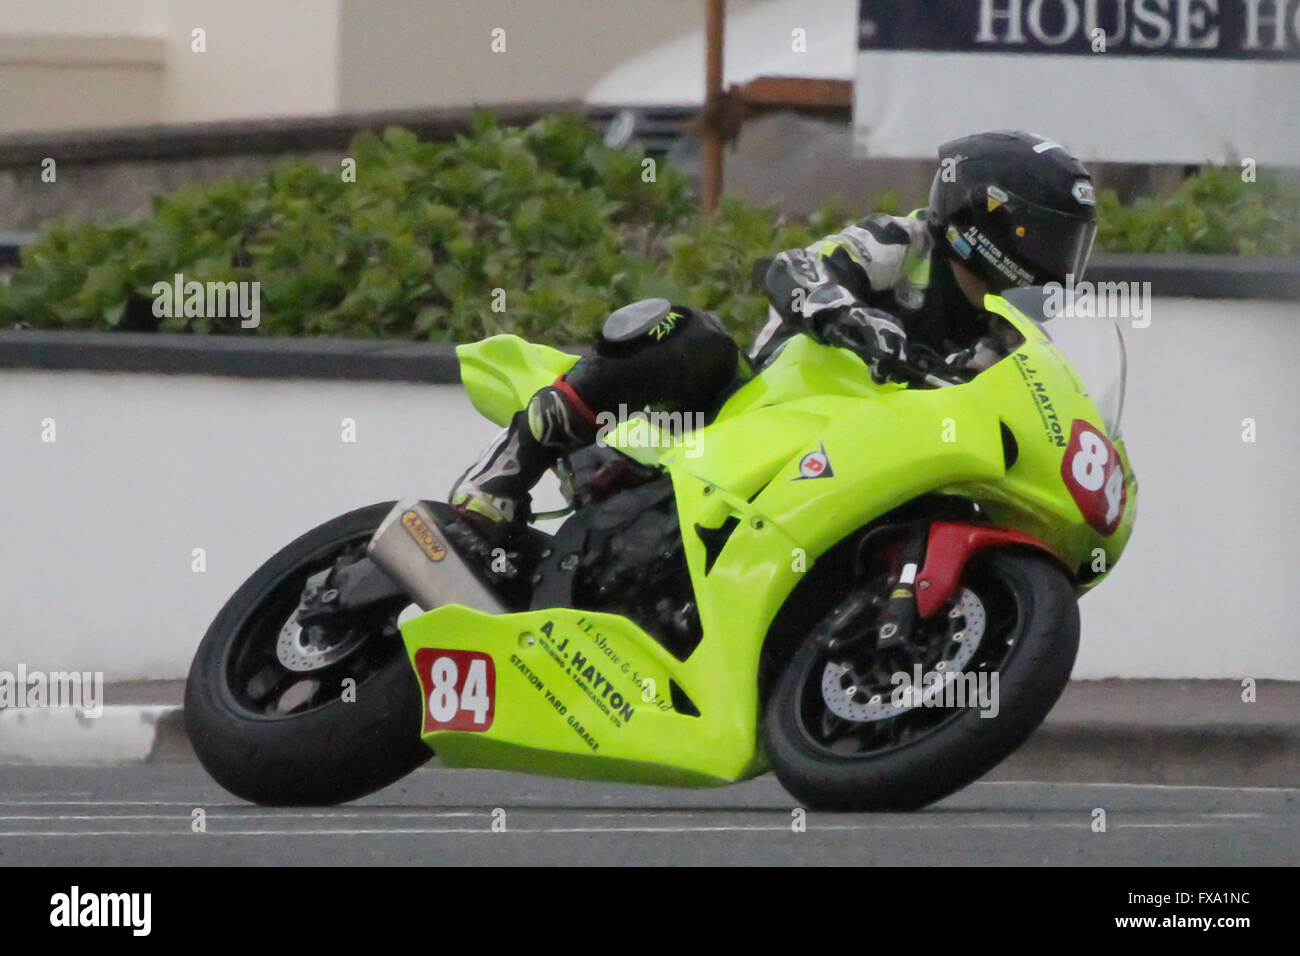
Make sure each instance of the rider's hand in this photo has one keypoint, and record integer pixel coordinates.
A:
(873, 334)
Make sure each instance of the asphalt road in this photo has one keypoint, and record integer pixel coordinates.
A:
(116, 816)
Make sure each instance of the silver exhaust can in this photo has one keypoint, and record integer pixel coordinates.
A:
(413, 550)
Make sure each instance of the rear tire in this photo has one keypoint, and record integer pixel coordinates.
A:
(325, 753)
(962, 747)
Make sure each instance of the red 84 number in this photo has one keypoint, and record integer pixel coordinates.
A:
(459, 689)
(1093, 473)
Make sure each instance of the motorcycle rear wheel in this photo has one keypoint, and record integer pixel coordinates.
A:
(905, 762)
(300, 735)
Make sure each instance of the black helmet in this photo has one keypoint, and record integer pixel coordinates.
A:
(1015, 208)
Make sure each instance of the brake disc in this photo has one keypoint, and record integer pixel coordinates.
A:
(296, 650)
(849, 696)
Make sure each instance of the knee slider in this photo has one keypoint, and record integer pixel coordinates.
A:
(555, 423)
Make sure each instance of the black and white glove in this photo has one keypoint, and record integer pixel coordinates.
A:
(873, 334)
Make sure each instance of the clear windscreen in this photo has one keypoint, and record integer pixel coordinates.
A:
(1093, 345)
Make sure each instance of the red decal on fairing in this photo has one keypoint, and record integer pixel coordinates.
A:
(815, 464)
(460, 689)
(1092, 472)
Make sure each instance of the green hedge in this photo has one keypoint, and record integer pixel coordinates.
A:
(1215, 211)
(416, 246)
(567, 227)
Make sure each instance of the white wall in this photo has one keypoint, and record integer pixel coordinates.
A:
(67, 64)
(95, 570)
(1208, 584)
(263, 59)
(61, 61)
(409, 53)
(77, 17)
(99, 526)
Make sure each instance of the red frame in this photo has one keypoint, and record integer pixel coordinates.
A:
(949, 548)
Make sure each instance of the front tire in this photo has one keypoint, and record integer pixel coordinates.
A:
(908, 761)
(278, 736)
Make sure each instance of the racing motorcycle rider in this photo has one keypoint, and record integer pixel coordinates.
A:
(1006, 209)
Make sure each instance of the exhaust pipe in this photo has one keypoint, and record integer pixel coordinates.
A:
(413, 550)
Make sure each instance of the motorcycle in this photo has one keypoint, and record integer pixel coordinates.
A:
(868, 588)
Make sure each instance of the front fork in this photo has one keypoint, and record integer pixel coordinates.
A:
(930, 561)
(846, 630)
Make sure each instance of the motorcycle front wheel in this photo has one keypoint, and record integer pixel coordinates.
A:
(901, 729)
(281, 715)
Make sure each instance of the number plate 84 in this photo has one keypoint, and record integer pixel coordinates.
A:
(1092, 471)
(459, 689)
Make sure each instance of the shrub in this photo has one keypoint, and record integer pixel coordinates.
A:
(545, 220)
(1214, 211)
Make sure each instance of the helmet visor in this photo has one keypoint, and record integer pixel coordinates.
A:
(1050, 243)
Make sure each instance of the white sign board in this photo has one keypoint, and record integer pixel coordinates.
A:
(1143, 81)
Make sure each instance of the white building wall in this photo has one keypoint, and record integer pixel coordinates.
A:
(99, 526)
(68, 64)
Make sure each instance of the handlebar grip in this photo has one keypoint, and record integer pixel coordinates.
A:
(896, 368)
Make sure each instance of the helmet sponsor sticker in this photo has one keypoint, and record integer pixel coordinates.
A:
(1083, 193)
(958, 242)
(994, 256)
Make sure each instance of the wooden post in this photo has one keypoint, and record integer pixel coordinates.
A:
(711, 154)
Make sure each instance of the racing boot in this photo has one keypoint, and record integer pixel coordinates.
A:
(494, 494)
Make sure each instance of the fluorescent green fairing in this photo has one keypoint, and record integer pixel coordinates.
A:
(800, 457)
(503, 372)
